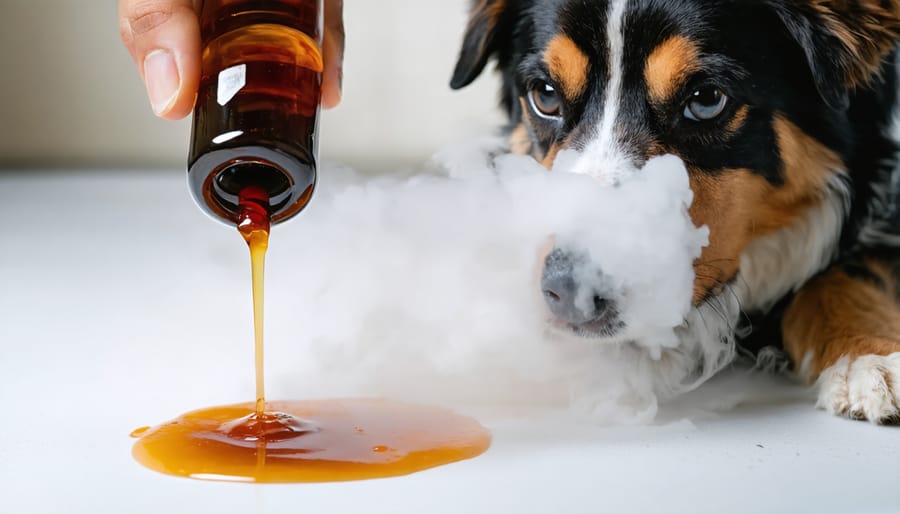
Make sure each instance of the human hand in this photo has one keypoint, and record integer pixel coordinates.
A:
(163, 38)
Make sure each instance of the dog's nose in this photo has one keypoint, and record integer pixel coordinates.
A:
(576, 304)
(562, 296)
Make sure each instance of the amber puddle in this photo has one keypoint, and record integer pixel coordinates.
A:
(303, 441)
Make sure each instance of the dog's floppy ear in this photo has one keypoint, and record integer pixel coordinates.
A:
(489, 22)
(845, 41)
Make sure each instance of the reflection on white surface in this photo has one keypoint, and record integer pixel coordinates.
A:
(122, 305)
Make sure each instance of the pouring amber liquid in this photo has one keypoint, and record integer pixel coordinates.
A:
(252, 164)
(303, 441)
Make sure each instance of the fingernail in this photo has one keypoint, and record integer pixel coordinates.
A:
(163, 80)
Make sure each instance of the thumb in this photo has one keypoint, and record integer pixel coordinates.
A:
(333, 53)
(163, 37)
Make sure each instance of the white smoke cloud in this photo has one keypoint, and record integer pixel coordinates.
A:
(427, 288)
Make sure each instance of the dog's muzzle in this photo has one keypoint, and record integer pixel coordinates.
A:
(577, 297)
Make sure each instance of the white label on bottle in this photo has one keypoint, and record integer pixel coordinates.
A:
(231, 81)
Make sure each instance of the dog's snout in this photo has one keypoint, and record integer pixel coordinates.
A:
(561, 294)
(577, 303)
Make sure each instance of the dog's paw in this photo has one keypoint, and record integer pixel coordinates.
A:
(865, 388)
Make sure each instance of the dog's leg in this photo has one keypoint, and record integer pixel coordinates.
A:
(843, 331)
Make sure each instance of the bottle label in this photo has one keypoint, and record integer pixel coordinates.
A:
(231, 81)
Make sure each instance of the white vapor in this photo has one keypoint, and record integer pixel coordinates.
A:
(428, 288)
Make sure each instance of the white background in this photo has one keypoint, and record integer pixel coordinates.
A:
(119, 310)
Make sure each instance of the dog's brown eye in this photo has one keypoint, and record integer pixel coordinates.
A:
(705, 104)
(546, 100)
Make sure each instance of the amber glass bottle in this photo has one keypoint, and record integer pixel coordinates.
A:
(257, 111)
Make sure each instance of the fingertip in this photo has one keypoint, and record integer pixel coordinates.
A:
(331, 103)
(333, 76)
(171, 83)
(177, 111)
(332, 88)
(163, 37)
(183, 106)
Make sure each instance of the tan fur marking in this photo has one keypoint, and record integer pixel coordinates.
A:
(669, 65)
(867, 30)
(836, 315)
(568, 66)
(739, 206)
(487, 12)
(519, 141)
(527, 122)
(549, 159)
(807, 163)
(737, 122)
(726, 203)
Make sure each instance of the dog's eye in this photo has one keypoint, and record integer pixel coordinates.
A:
(706, 104)
(546, 100)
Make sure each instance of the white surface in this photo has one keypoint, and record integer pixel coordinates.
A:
(70, 95)
(122, 306)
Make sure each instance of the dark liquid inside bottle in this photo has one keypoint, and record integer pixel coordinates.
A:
(257, 112)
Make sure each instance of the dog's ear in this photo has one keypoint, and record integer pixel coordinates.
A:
(845, 41)
(489, 23)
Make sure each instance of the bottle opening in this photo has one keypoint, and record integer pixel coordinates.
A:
(235, 178)
(228, 183)
(217, 178)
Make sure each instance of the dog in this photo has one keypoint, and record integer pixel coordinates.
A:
(782, 111)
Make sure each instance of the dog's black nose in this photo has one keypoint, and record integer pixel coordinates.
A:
(576, 303)
(562, 296)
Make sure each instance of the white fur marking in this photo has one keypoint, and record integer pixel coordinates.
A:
(603, 158)
(804, 371)
(770, 268)
(832, 386)
(865, 388)
(781, 262)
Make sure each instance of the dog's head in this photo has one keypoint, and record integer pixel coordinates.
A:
(752, 95)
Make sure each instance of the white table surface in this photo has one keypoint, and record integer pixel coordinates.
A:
(118, 301)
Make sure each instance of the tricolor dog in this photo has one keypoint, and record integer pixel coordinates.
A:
(782, 111)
